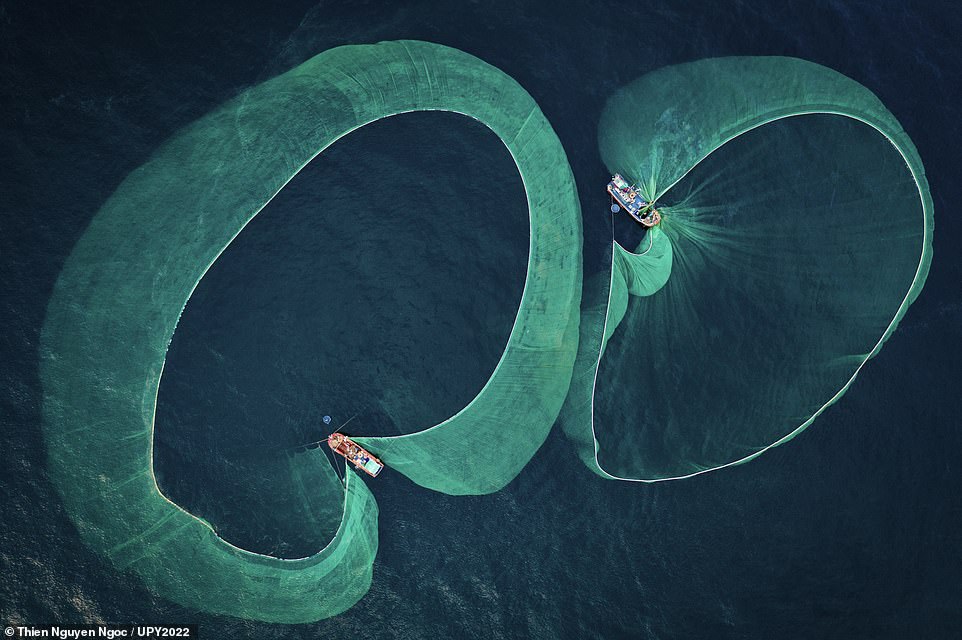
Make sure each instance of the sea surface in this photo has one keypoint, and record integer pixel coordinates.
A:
(381, 285)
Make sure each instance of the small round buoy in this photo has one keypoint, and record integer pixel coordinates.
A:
(615, 208)
(326, 419)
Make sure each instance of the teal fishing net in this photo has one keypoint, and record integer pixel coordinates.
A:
(796, 230)
(121, 292)
(799, 222)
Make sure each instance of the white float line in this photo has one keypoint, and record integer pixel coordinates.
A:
(845, 387)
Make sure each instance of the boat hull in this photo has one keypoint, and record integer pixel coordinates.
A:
(354, 453)
(632, 202)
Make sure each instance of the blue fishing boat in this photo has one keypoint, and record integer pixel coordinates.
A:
(625, 196)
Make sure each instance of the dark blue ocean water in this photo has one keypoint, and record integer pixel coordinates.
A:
(849, 531)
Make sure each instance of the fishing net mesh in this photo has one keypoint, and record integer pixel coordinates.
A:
(122, 290)
(800, 225)
(796, 231)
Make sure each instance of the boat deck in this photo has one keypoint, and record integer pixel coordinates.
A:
(354, 453)
(628, 198)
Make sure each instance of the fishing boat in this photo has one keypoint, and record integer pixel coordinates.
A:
(355, 454)
(625, 196)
